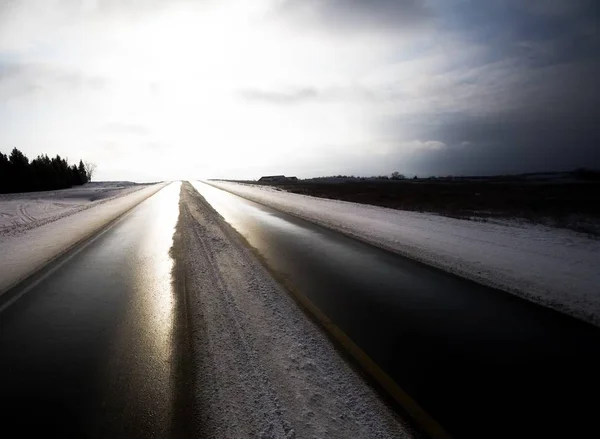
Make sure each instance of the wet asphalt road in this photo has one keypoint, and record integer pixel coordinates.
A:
(482, 362)
(96, 348)
(93, 348)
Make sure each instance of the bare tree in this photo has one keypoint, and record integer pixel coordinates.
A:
(90, 168)
(397, 176)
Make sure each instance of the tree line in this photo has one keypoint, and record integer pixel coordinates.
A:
(18, 174)
(394, 176)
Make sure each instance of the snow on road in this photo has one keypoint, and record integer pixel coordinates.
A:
(37, 227)
(262, 368)
(554, 267)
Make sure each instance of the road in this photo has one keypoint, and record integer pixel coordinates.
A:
(99, 346)
(165, 328)
(482, 362)
(95, 347)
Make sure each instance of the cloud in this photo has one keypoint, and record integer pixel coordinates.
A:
(507, 87)
(428, 145)
(349, 94)
(525, 102)
(538, 32)
(125, 128)
(18, 79)
(287, 97)
(535, 137)
(355, 15)
(27, 24)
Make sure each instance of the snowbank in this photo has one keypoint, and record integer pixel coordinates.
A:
(48, 224)
(554, 267)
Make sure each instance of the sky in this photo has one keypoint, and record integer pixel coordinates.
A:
(182, 89)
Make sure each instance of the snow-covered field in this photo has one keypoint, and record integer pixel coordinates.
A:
(25, 211)
(37, 227)
(554, 267)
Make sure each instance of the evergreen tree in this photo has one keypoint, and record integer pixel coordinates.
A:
(82, 172)
(17, 174)
(4, 173)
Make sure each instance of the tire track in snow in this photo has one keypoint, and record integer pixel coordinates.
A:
(20, 225)
(23, 215)
(252, 381)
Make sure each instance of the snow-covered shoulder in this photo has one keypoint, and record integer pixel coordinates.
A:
(554, 267)
(37, 227)
(24, 211)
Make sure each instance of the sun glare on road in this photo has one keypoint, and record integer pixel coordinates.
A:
(144, 346)
(154, 274)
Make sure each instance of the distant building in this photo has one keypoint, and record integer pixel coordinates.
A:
(276, 179)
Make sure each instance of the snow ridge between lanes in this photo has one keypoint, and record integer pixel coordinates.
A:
(554, 267)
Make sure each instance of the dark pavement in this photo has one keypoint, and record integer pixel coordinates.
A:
(96, 347)
(482, 362)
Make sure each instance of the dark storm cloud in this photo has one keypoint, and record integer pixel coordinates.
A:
(509, 143)
(541, 113)
(356, 15)
(538, 31)
(554, 128)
